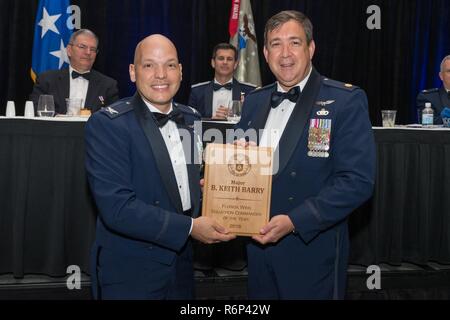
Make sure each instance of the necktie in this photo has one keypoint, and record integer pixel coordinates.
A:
(278, 97)
(86, 75)
(227, 86)
(448, 94)
(162, 118)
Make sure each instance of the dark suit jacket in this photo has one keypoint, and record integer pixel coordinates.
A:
(318, 193)
(141, 222)
(439, 100)
(57, 83)
(201, 97)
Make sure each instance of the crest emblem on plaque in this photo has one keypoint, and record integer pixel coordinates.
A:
(239, 165)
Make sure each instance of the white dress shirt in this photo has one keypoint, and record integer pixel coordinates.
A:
(278, 118)
(78, 87)
(174, 146)
(221, 97)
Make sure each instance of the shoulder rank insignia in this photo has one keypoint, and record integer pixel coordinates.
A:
(323, 112)
(111, 110)
(430, 90)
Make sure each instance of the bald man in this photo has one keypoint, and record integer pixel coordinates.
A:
(145, 181)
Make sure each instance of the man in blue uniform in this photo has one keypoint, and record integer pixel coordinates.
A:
(324, 167)
(144, 177)
(438, 97)
(211, 98)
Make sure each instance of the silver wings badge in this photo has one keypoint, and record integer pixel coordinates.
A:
(324, 103)
(323, 111)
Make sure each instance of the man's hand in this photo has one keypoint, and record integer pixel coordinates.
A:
(244, 143)
(277, 228)
(221, 113)
(202, 184)
(209, 231)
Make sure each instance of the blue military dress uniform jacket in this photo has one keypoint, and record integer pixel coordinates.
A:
(201, 97)
(141, 221)
(439, 99)
(317, 192)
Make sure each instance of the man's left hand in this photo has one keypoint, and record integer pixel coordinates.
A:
(277, 228)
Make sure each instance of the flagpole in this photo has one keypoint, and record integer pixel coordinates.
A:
(243, 36)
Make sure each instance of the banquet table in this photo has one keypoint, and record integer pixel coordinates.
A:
(47, 215)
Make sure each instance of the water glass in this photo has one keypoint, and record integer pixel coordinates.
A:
(46, 106)
(388, 118)
(234, 110)
(73, 106)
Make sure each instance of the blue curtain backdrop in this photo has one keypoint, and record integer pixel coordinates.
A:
(392, 64)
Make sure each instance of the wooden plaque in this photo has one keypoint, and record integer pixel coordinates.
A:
(238, 186)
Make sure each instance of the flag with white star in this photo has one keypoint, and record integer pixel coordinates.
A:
(243, 37)
(51, 36)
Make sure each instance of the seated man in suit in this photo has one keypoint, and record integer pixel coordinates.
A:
(79, 80)
(438, 97)
(211, 98)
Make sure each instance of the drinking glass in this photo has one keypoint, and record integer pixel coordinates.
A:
(234, 110)
(46, 106)
(73, 106)
(388, 118)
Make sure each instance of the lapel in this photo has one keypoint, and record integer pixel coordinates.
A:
(209, 100)
(190, 150)
(194, 185)
(92, 100)
(445, 101)
(298, 120)
(159, 150)
(260, 119)
(236, 91)
(63, 87)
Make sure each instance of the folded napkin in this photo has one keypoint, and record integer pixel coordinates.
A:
(445, 113)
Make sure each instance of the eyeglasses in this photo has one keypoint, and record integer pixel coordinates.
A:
(84, 47)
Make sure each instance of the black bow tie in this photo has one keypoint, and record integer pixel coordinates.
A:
(85, 75)
(227, 86)
(278, 97)
(174, 115)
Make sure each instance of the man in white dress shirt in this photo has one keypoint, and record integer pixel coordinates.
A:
(211, 98)
(79, 80)
(142, 160)
(325, 167)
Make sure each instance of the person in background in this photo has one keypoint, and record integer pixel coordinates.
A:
(324, 168)
(438, 97)
(142, 170)
(79, 80)
(211, 98)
